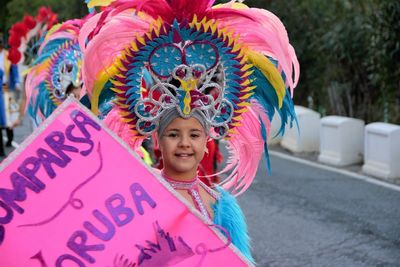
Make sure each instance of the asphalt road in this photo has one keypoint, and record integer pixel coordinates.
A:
(307, 216)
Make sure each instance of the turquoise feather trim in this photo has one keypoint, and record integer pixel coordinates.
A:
(228, 215)
(265, 94)
(266, 153)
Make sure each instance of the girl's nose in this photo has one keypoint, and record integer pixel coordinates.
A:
(184, 141)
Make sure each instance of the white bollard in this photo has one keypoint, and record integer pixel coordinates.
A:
(342, 140)
(382, 150)
(306, 138)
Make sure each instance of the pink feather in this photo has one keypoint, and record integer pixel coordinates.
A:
(248, 143)
(262, 31)
(109, 43)
(33, 79)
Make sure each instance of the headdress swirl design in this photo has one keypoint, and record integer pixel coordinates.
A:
(152, 56)
(182, 59)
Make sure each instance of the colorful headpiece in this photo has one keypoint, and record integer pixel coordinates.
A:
(182, 62)
(56, 68)
(231, 62)
(27, 35)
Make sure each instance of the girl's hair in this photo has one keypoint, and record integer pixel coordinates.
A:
(172, 114)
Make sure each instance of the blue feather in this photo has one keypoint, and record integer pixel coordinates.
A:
(265, 94)
(227, 214)
(264, 136)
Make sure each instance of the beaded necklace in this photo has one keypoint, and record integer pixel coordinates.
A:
(192, 187)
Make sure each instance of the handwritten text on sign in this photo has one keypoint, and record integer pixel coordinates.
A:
(74, 196)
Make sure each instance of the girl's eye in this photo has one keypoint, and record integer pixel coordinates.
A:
(195, 135)
(173, 135)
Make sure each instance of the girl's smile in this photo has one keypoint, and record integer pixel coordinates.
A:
(182, 145)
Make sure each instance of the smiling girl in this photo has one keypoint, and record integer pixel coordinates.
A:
(182, 143)
(156, 60)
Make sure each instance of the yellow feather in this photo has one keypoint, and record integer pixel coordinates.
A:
(245, 83)
(248, 89)
(117, 90)
(243, 61)
(214, 28)
(149, 36)
(236, 47)
(243, 110)
(246, 96)
(120, 75)
(232, 131)
(246, 67)
(94, 3)
(235, 5)
(117, 83)
(248, 73)
(242, 54)
(237, 119)
(127, 119)
(243, 104)
(203, 21)
(157, 26)
(270, 72)
(104, 76)
(123, 105)
(118, 64)
(140, 39)
(194, 21)
(124, 113)
(134, 46)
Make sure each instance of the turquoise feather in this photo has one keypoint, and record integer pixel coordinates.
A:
(227, 214)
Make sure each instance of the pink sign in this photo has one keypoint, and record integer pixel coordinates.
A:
(74, 195)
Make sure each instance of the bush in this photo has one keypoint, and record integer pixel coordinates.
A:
(349, 53)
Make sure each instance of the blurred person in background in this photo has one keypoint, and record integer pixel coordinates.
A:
(9, 80)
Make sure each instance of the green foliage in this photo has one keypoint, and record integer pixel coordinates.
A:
(64, 9)
(349, 50)
(384, 57)
(3, 17)
(349, 53)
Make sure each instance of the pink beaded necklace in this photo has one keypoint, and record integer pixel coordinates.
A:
(192, 187)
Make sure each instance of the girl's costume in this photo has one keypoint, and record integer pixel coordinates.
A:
(56, 69)
(144, 58)
(27, 35)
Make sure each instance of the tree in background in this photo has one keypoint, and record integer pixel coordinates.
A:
(349, 53)
(349, 50)
(384, 56)
(3, 16)
(16, 9)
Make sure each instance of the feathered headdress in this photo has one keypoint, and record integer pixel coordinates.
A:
(57, 66)
(27, 35)
(231, 62)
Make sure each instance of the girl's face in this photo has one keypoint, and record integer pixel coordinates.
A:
(182, 146)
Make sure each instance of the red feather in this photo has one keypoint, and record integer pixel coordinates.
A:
(14, 40)
(14, 55)
(29, 22)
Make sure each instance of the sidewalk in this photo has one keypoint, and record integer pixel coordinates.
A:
(20, 134)
(312, 157)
